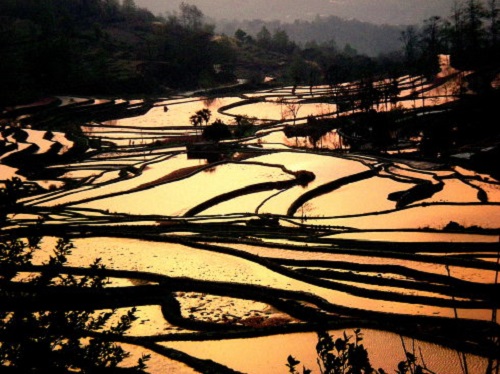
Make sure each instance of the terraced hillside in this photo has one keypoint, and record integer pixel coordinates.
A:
(259, 240)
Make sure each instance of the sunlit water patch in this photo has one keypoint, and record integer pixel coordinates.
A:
(176, 260)
(269, 354)
(178, 197)
(154, 173)
(178, 113)
(435, 216)
(325, 169)
(275, 110)
(460, 272)
(492, 190)
(242, 204)
(414, 236)
(7, 172)
(370, 195)
(454, 190)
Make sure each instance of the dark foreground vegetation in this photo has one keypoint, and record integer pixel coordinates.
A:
(347, 355)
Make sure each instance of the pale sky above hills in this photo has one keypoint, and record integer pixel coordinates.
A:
(375, 11)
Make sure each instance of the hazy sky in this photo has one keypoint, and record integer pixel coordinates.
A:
(376, 11)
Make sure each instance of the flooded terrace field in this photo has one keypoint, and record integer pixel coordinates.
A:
(251, 245)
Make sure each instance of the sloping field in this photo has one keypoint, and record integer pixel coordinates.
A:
(234, 256)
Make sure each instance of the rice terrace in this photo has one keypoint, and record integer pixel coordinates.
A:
(223, 230)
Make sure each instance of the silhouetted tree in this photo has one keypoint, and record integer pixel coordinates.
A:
(201, 116)
(263, 38)
(216, 131)
(129, 5)
(56, 340)
(467, 34)
(280, 42)
(368, 95)
(474, 13)
(9, 194)
(431, 41)
(191, 17)
(346, 355)
(409, 37)
(242, 36)
(205, 115)
(494, 22)
(196, 120)
(244, 126)
(297, 72)
(289, 108)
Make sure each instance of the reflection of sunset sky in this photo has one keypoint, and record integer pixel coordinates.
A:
(420, 217)
(132, 177)
(177, 260)
(178, 197)
(385, 351)
(178, 113)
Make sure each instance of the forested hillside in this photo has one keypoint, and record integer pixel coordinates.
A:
(84, 47)
(108, 47)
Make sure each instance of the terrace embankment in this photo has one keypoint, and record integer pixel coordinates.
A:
(331, 186)
(314, 312)
(302, 178)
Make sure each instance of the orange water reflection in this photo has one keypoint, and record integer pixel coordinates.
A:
(269, 354)
(165, 182)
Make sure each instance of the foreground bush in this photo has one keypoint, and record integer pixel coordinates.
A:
(344, 356)
(59, 340)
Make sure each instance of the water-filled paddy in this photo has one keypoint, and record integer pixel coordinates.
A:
(268, 354)
(241, 243)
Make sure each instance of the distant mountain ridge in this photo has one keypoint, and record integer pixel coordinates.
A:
(365, 38)
(393, 12)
